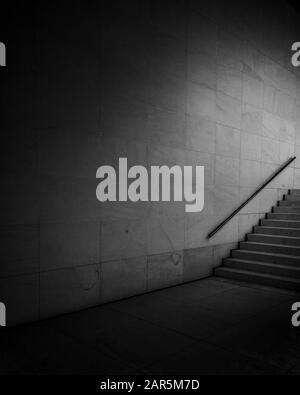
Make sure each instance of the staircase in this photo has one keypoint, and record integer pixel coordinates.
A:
(271, 254)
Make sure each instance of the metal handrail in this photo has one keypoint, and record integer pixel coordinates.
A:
(216, 230)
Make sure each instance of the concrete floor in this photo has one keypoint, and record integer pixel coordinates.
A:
(210, 326)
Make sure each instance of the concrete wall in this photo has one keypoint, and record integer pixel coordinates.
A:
(160, 82)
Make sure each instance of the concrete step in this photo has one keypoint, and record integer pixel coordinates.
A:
(286, 216)
(268, 230)
(294, 197)
(263, 267)
(259, 278)
(271, 257)
(294, 192)
(274, 239)
(271, 254)
(288, 203)
(286, 209)
(272, 248)
(280, 223)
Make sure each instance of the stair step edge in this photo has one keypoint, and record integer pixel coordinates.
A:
(262, 275)
(275, 227)
(278, 213)
(280, 220)
(268, 254)
(259, 263)
(276, 236)
(272, 245)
